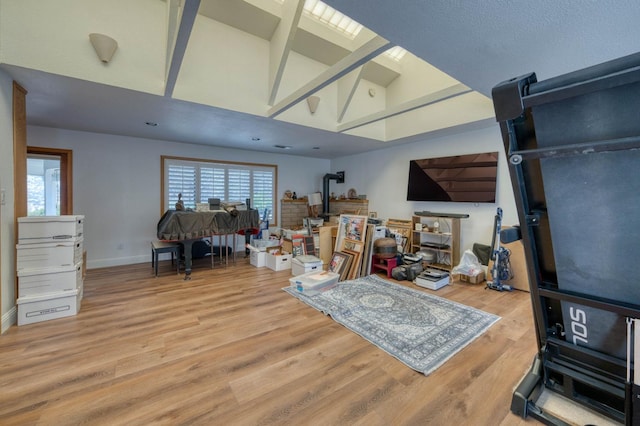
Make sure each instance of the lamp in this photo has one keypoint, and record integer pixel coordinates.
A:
(315, 200)
(104, 46)
(312, 102)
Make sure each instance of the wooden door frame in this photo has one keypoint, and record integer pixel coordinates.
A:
(19, 105)
(20, 153)
(66, 174)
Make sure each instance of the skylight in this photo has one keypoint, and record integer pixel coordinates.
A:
(332, 18)
(396, 53)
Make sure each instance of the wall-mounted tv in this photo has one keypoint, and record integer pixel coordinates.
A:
(461, 178)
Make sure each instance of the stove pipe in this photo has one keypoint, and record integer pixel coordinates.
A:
(339, 178)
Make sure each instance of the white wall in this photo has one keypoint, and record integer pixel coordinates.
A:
(7, 247)
(116, 185)
(54, 36)
(382, 175)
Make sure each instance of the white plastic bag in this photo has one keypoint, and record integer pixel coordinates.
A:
(469, 265)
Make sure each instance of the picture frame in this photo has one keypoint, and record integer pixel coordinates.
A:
(401, 230)
(340, 264)
(297, 245)
(352, 227)
(354, 267)
(309, 245)
(352, 245)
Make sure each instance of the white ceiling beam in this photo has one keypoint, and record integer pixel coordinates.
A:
(173, 19)
(189, 12)
(347, 86)
(281, 44)
(359, 57)
(430, 99)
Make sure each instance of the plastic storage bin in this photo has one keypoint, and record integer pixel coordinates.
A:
(313, 283)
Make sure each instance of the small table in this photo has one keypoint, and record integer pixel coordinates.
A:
(158, 247)
(383, 264)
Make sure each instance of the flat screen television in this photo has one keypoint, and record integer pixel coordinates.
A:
(461, 178)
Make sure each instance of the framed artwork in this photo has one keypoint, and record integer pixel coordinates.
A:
(340, 264)
(352, 245)
(297, 245)
(309, 245)
(352, 227)
(401, 230)
(355, 265)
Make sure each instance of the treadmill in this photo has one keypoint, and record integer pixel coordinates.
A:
(573, 149)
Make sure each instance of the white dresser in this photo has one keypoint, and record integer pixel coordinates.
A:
(49, 267)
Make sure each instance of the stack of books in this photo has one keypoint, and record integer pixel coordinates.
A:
(432, 279)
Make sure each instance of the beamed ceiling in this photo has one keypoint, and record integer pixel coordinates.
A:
(238, 73)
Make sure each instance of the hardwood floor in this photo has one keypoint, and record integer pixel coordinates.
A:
(229, 347)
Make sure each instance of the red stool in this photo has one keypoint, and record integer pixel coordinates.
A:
(383, 264)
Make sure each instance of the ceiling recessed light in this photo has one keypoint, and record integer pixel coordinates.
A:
(282, 146)
(255, 139)
(151, 123)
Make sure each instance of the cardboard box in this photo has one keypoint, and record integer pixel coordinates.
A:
(290, 233)
(472, 279)
(49, 254)
(264, 245)
(36, 282)
(258, 258)
(279, 262)
(313, 283)
(38, 229)
(32, 309)
(302, 264)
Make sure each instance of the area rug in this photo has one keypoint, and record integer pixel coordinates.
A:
(419, 329)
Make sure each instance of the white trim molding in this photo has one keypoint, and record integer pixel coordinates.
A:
(8, 319)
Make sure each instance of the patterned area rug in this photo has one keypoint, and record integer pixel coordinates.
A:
(421, 330)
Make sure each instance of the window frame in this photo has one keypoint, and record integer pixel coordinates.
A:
(166, 160)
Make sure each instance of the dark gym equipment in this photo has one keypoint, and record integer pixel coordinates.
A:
(572, 144)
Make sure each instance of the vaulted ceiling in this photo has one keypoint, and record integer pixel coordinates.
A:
(238, 73)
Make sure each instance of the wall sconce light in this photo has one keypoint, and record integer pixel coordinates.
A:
(104, 46)
(313, 101)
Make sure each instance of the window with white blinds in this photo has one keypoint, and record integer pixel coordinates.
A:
(199, 180)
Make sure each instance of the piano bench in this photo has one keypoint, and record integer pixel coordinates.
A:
(158, 247)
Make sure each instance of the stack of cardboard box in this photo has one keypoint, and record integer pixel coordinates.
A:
(49, 267)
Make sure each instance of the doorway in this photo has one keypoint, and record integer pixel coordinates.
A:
(49, 182)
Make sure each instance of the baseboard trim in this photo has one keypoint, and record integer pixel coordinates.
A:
(8, 319)
(118, 261)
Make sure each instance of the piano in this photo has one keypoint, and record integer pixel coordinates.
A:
(186, 226)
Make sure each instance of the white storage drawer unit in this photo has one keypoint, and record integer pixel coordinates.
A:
(49, 254)
(35, 282)
(37, 229)
(32, 309)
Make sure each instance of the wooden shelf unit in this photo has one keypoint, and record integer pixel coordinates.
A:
(447, 232)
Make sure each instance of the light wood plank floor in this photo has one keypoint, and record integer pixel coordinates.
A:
(229, 347)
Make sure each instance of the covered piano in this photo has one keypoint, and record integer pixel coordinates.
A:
(187, 226)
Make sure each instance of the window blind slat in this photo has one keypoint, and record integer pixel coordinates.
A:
(198, 181)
